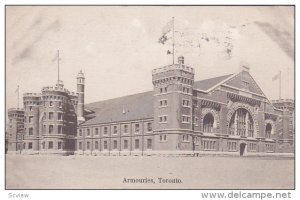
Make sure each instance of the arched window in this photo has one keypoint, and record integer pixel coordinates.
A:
(208, 122)
(268, 130)
(241, 123)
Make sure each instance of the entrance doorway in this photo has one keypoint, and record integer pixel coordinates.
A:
(242, 149)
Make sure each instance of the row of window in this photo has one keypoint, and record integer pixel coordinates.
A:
(115, 144)
(50, 145)
(209, 144)
(115, 129)
(181, 79)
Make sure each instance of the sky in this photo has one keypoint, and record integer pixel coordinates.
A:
(117, 46)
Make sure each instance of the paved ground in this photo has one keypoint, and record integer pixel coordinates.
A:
(75, 172)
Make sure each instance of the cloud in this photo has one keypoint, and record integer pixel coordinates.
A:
(27, 50)
(281, 37)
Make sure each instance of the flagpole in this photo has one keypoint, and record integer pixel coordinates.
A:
(58, 65)
(18, 97)
(279, 84)
(173, 38)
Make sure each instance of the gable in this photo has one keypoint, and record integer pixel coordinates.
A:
(244, 81)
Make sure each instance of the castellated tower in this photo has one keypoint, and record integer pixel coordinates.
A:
(172, 105)
(15, 130)
(31, 122)
(80, 93)
(56, 118)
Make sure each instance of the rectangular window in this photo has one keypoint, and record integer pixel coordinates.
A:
(166, 89)
(50, 129)
(160, 90)
(137, 128)
(80, 145)
(30, 131)
(96, 145)
(50, 115)
(80, 132)
(163, 103)
(105, 130)
(185, 103)
(88, 133)
(209, 144)
(105, 145)
(136, 144)
(29, 145)
(163, 119)
(231, 146)
(185, 119)
(163, 137)
(51, 103)
(115, 130)
(149, 127)
(59, 129)
(125, 128)
(185, 138)
(149, 143)
(96, 131)
(30, 119)
(50, 145)
(115, 144)
(59, 116)
(88, 145)
(59, 145)
(125, 144)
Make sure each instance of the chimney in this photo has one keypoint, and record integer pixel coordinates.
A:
(244, 67)
(181, 60)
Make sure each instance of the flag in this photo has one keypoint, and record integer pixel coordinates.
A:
(163, 39)
(166, 29)
(277, 76)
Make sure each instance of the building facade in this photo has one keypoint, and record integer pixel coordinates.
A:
(228, 114)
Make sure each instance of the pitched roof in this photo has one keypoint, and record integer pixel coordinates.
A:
(133, 107)
(127, 108)
(209, 83)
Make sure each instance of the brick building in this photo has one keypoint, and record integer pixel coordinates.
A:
(228, 114)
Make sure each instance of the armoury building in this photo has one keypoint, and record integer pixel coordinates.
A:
(223, 115)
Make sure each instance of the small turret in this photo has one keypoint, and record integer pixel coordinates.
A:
(80, 92)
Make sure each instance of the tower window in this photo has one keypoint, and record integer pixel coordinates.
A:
(50, 129)
(30, 131)
(88, 132)
(60, 127)
(50, 115)
(51, 103)
(59, 116)
(30, 118)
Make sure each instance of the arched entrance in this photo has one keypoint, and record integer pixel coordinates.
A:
(242, 149)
